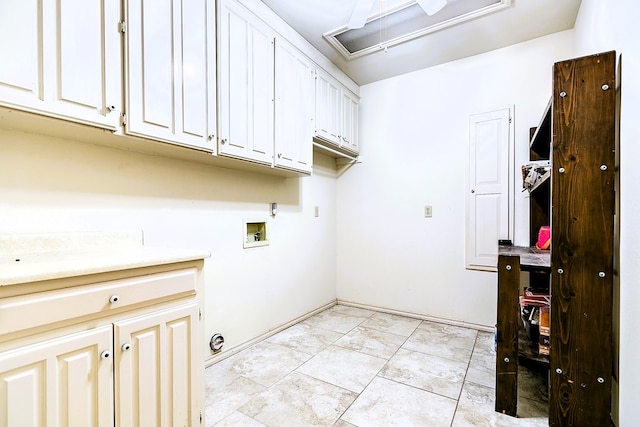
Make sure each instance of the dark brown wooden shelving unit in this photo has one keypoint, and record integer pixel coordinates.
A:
(577, 134)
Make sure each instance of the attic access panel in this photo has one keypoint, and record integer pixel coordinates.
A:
(406, 23)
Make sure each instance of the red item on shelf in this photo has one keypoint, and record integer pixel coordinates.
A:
(544, 237)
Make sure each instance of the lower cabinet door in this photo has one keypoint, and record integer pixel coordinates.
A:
(66, 381)
(157, 368)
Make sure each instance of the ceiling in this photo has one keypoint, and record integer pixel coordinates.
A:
(522, 20)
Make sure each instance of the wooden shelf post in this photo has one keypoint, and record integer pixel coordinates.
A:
(507, 334)
(583, 176)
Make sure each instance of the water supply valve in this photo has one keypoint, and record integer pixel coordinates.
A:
(216, 343)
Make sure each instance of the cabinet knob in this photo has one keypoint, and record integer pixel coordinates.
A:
(114, 298)
(211, 137)
(126, 346)
(111, 108)
(224, 140)
(473, 191)
(105, 355)
(279, 155)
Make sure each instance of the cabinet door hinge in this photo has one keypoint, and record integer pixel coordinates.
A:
(199, 314)
(122, 27)
(510, 119)
(200, 417)
(123, 119)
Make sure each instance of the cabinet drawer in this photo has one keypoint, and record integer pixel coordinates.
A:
(29, 311)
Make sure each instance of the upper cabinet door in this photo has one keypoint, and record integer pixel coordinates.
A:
(294, 104)
(328, 107)
(246, 85)
(349, 121)
(62, 59)
(170, 86)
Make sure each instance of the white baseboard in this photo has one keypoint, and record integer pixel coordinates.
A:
(476, 326)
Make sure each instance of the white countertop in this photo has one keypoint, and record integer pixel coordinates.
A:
(26, 258)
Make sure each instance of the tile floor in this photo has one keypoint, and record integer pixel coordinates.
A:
(347, 366)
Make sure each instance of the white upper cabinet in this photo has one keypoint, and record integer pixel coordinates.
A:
(222, 77)
(336, 114)
(294, 105)
(62, 59)
(328, 103)
(245, 85)
(170, 70)
(349, 121)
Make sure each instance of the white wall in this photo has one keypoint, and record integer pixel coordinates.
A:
(602, 26)
(52, 185)
(414, 138)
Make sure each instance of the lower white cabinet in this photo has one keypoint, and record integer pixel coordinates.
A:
(64, 381)
(131, 359)
(156, 368)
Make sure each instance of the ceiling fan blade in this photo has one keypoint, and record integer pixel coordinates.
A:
(431, 7)
(360, 14)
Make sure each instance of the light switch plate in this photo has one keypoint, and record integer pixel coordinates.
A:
(428, 211)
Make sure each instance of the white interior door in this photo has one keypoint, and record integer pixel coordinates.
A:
(489, 199)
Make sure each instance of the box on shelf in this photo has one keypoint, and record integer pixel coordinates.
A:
(534, 311)
(544, 331)
(535, 298)
(545, 326)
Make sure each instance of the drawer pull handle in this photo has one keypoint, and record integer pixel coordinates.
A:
(105, 355)
(114, 298)
(126, 346)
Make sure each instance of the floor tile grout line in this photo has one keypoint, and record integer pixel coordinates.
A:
(417, 388)
(464, 379)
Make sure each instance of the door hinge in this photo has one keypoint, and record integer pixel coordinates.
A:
(199, 314)
(510, 119)
(200, 417)
(123, 119)
(122, 27)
